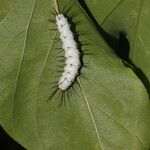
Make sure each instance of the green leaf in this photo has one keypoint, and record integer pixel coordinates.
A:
(5, 8)
(111, 109)
(131, 17)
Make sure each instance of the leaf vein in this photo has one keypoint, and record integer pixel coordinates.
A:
(112, 11)
(137, 23)
(21, 61)
(115, 119)
(119, 123)
(91, 114)
(9, 12)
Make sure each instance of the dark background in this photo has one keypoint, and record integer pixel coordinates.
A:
(7, 143)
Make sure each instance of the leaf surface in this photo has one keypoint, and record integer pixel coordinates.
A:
(111, 109)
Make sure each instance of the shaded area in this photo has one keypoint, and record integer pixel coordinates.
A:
(123, 47)
(7, 143)
(120, 46)
(123, 50)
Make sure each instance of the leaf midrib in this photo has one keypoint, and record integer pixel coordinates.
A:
(91, 115)
(109, 115)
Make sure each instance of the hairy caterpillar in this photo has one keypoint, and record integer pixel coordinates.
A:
(73, 56)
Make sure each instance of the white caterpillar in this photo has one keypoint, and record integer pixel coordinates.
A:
(72, 53)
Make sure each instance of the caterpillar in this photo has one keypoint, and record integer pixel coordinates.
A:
(72, 53)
